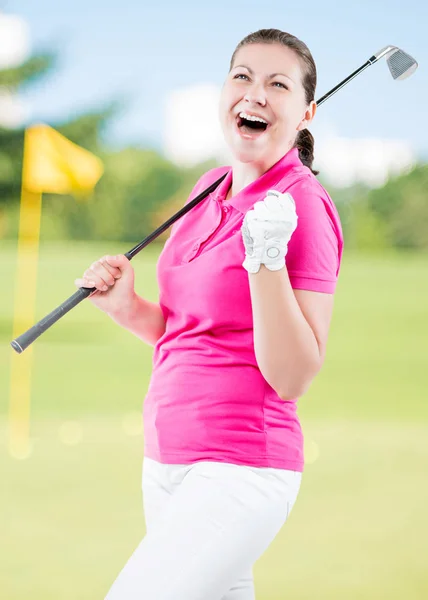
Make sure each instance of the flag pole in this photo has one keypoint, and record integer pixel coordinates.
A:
(24, 315)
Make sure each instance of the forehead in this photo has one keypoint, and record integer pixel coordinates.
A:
(269, 58)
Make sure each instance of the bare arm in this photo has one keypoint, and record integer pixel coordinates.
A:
(290, 331)
(142, 318)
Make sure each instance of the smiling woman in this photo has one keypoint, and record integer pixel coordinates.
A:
(272, 77)
(239, 333)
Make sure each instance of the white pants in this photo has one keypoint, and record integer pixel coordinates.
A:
(207, 523)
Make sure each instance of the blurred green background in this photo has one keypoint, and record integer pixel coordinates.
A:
(71, 512)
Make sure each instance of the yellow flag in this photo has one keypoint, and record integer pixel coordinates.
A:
(55, 165)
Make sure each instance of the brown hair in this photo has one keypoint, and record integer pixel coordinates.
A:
(304, 140)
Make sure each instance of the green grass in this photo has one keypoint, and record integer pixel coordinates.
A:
(71, 513)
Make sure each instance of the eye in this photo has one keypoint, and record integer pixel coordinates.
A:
(241, 75)
(278, 83)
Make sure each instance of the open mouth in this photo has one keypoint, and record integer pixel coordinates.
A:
(251, 126)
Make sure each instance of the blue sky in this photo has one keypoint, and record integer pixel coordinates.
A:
(143, 50)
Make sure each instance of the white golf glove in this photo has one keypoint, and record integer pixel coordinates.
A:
(266, 230)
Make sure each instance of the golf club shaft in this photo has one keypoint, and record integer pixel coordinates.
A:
(347, 80)
(22, 342)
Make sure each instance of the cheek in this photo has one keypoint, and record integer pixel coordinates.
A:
(222, 108)
(288, 116)
(225, 105)
(229, 97)
(222, 115)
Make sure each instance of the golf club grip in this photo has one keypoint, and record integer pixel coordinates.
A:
(25, 339)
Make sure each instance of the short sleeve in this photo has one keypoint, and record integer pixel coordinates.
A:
(315, 249)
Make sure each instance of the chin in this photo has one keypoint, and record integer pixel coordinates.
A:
(248, 155)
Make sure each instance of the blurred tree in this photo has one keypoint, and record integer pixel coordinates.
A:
(32, 69)
(402, 206)
(86, 129)
(127, 203)
(139, 190)
(12, 140)
(11, 147)
(346, 199)
(82, 129)
(394, 215)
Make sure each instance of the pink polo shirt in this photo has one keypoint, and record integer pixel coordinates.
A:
(207, 398)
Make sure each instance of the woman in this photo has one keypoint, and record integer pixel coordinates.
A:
(246, 284)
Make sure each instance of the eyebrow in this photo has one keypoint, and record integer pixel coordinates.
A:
(269, 76)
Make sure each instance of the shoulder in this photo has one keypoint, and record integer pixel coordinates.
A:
(313, 202)
(316, 247)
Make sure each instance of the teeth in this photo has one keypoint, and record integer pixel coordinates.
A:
(244, 115)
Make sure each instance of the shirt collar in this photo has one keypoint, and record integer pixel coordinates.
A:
(247, 197)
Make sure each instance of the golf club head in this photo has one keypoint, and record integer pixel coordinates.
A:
(400, 64)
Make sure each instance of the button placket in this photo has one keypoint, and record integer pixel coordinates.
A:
(196, 247)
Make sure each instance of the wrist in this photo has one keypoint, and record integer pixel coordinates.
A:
(273, 259)
(128, 311)
(277, 266)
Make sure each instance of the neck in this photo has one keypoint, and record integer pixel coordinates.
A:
(246, 173)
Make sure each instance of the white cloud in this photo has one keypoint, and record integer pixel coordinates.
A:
(192, 131)
(14, 49)
(14, 41)
(344, 161)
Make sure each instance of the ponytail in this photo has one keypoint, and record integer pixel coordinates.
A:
(305, 143)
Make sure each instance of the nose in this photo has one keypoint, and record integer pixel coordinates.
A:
(256, 95)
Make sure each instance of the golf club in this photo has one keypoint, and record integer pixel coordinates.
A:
(401, 66)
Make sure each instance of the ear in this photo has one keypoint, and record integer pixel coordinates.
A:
(308, 116)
